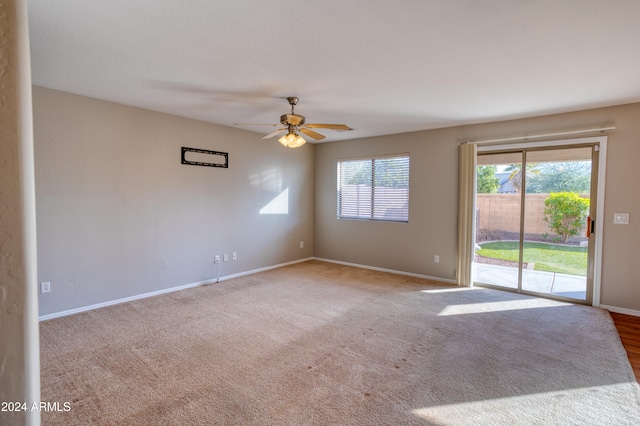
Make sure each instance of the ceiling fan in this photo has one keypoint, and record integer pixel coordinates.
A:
(291, 124)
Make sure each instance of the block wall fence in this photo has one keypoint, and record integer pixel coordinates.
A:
(498, 216)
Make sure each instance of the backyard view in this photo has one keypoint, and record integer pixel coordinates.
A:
(544, 257)
(543, 200)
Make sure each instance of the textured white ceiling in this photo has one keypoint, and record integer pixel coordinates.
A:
(379, 66)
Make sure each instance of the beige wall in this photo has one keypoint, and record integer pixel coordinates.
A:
(433, 205)
(407, 247)
(118, 215)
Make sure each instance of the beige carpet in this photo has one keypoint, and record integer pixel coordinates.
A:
(324, 344)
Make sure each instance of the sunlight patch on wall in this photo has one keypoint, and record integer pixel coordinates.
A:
(279, 205)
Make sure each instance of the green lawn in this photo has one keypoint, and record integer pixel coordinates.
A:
(547, 257)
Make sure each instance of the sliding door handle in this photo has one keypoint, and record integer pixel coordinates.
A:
(591, 226)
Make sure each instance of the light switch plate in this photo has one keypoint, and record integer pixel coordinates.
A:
(621, 218)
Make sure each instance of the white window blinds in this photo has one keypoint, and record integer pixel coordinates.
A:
(374, 188)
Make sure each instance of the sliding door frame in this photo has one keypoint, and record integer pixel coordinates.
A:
(601, 141)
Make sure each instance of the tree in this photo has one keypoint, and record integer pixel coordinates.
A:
(391, 172)
(487, 182)
(565, 213)
(516, 174)
(573, 176)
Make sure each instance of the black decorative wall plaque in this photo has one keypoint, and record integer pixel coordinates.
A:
(218, 159)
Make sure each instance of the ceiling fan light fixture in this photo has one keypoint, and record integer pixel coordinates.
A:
(293, 123)
(292, 140)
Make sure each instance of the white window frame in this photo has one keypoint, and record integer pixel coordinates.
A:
(381, 203)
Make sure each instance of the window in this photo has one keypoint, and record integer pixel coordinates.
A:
(374, 188)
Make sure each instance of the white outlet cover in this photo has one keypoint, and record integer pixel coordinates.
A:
(621, 218)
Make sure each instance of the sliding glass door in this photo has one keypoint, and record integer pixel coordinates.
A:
(498, 219)
(534, 211)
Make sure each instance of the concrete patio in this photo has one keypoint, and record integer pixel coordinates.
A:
(564, 285)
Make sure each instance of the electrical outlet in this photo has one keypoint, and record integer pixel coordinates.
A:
(301, 244)
(225, 257)
(45, 287)
(436, 258)
(234, 256)
(216, 259)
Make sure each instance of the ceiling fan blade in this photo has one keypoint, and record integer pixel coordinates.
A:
(340, 127)
(312, 134)
(254, 124)
(276, 133)
(294, 119)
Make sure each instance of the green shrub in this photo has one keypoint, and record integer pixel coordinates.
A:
(487, 182)
(565, 213)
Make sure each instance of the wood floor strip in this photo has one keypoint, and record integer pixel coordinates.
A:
(629, 329)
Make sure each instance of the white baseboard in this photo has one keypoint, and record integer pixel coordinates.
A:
(255, 271)
(391, 271)
(123, 300)
(621, 310)
(163, 291)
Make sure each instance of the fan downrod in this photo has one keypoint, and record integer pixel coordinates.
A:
(292, 118)
(293, 101)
